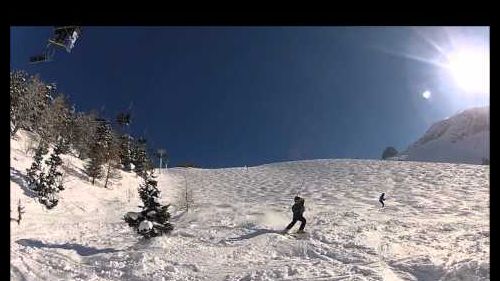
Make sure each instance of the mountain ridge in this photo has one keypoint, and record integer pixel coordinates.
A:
(461, 138)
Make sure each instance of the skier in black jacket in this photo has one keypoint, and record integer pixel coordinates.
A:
(297, 209)
(382, 199)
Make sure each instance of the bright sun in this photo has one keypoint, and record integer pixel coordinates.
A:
(426, 95)
(470, 67)
(462, 54)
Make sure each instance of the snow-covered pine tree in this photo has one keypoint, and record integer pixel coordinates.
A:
(63, 120)
(154, 218)
(52, 181)
(98, 150)
(125, 141)
(18, 83)
(111, 159)
(141, 160)
(93, 169)
(52, 125)
(60, 122)
(84, 130)
(125, 151)
(29, 100)
(35, 174)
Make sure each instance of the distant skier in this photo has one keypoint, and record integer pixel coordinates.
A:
(297, 209)
(381, 199)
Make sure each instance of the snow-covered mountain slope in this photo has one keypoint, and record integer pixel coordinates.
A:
(435, 225)
(462, 138)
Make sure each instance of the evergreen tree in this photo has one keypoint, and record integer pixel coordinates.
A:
(125, 151)
(154, 218)
(141, 160)
(53, 180)
(43, 123)
(35, 172)
(93, 169)
(61, 120)
(29, 101)
(52, 125)
(111, 159)
(18, 85)
(84, 130)
(46, 184)
(125, 141)
(99, 149)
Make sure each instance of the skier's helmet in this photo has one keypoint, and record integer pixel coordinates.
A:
(297, 198)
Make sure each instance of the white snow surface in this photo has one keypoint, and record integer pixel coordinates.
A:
(435, 225)
(462, 138)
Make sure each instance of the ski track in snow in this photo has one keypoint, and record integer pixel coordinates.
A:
(435, 225)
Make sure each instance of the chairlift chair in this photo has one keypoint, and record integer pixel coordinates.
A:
(63, 37)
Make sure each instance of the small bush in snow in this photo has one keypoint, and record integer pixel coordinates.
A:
(389, 152)
(186, 196)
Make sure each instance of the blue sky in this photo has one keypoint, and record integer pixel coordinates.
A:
(236, 96)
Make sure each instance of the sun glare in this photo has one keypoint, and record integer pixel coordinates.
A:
(460, 55)
(471, 69)
(426, 95)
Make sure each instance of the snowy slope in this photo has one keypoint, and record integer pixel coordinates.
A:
(462, 138)
(435, 225)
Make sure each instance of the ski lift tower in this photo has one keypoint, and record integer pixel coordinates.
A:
(161, 153)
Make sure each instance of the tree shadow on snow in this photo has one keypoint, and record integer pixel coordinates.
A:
(80, 249)
(71, 169)
(21, 179)
(256, 232)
